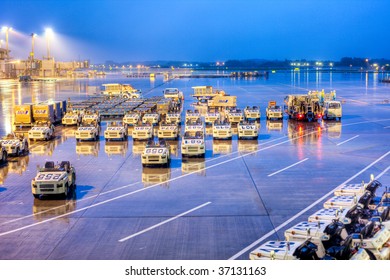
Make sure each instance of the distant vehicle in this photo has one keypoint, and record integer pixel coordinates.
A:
(15, 145)
(173, 93)
(91, 117)
(222, 130)
(252, 113)
(235, 115)
(194, 126)
(54, 179)
(72, 118)
(192, 115)
(42, 130)
(213, 98)
(156, 154)
(332, 110)
(142, 132)
(193, 144)
(88, 130)
(274, 111)
(131, 118)
(173, 117)
(152, 118)
(168, 131)
(247, 130)
(212, 117)
(116, 130)
(120, 90)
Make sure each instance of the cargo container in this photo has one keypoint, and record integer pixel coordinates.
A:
(44, 112)
(24, 115)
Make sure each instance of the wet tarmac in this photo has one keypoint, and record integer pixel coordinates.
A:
(243, 193)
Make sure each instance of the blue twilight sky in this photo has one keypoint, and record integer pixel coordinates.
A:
(199, 30)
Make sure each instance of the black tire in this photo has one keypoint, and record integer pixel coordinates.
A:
(26, 150)
(65, 194)
(4, 157)
(36, 196)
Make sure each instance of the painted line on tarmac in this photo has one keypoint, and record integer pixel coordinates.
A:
(292, 165)
(155, 185)
(122, 187)
(150, 187)
(339, 144)
(255, 243)
(163, 222)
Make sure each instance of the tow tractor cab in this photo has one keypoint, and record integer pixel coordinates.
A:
(252, 113)
(274, 111)
(91, 117)
(173, 93)
(212, 117)
(222, 130)
(121, 90)
(194, 126)
(131, 118)
(247, 130)
(142, 131)
(88, 130)
(152, 118)
(72, 118)
(116, 131)
(54, 179)
(156, 154)
(15, 145)
(193, 144)
(42, 130)
(173, 118)
(168, 131)
(192, 116)
(235, 115)
(332, 110)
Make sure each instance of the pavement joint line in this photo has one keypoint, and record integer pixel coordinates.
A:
(341, 143)
(275, 230)
(152, 186)
(164, 222)
(292, 165)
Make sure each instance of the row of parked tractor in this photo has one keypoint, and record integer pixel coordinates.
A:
(354, 224)
(143, 115)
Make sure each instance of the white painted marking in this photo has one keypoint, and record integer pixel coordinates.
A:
(144, 189)
(152, 186)
(382, 173)
(281, 170)
(164, 222)
(306, 209)
(347, 140)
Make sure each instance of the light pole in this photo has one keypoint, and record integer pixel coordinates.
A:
(6, 29)
(48, 34)
(33, 35)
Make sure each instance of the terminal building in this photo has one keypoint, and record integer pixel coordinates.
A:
(40, 68)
